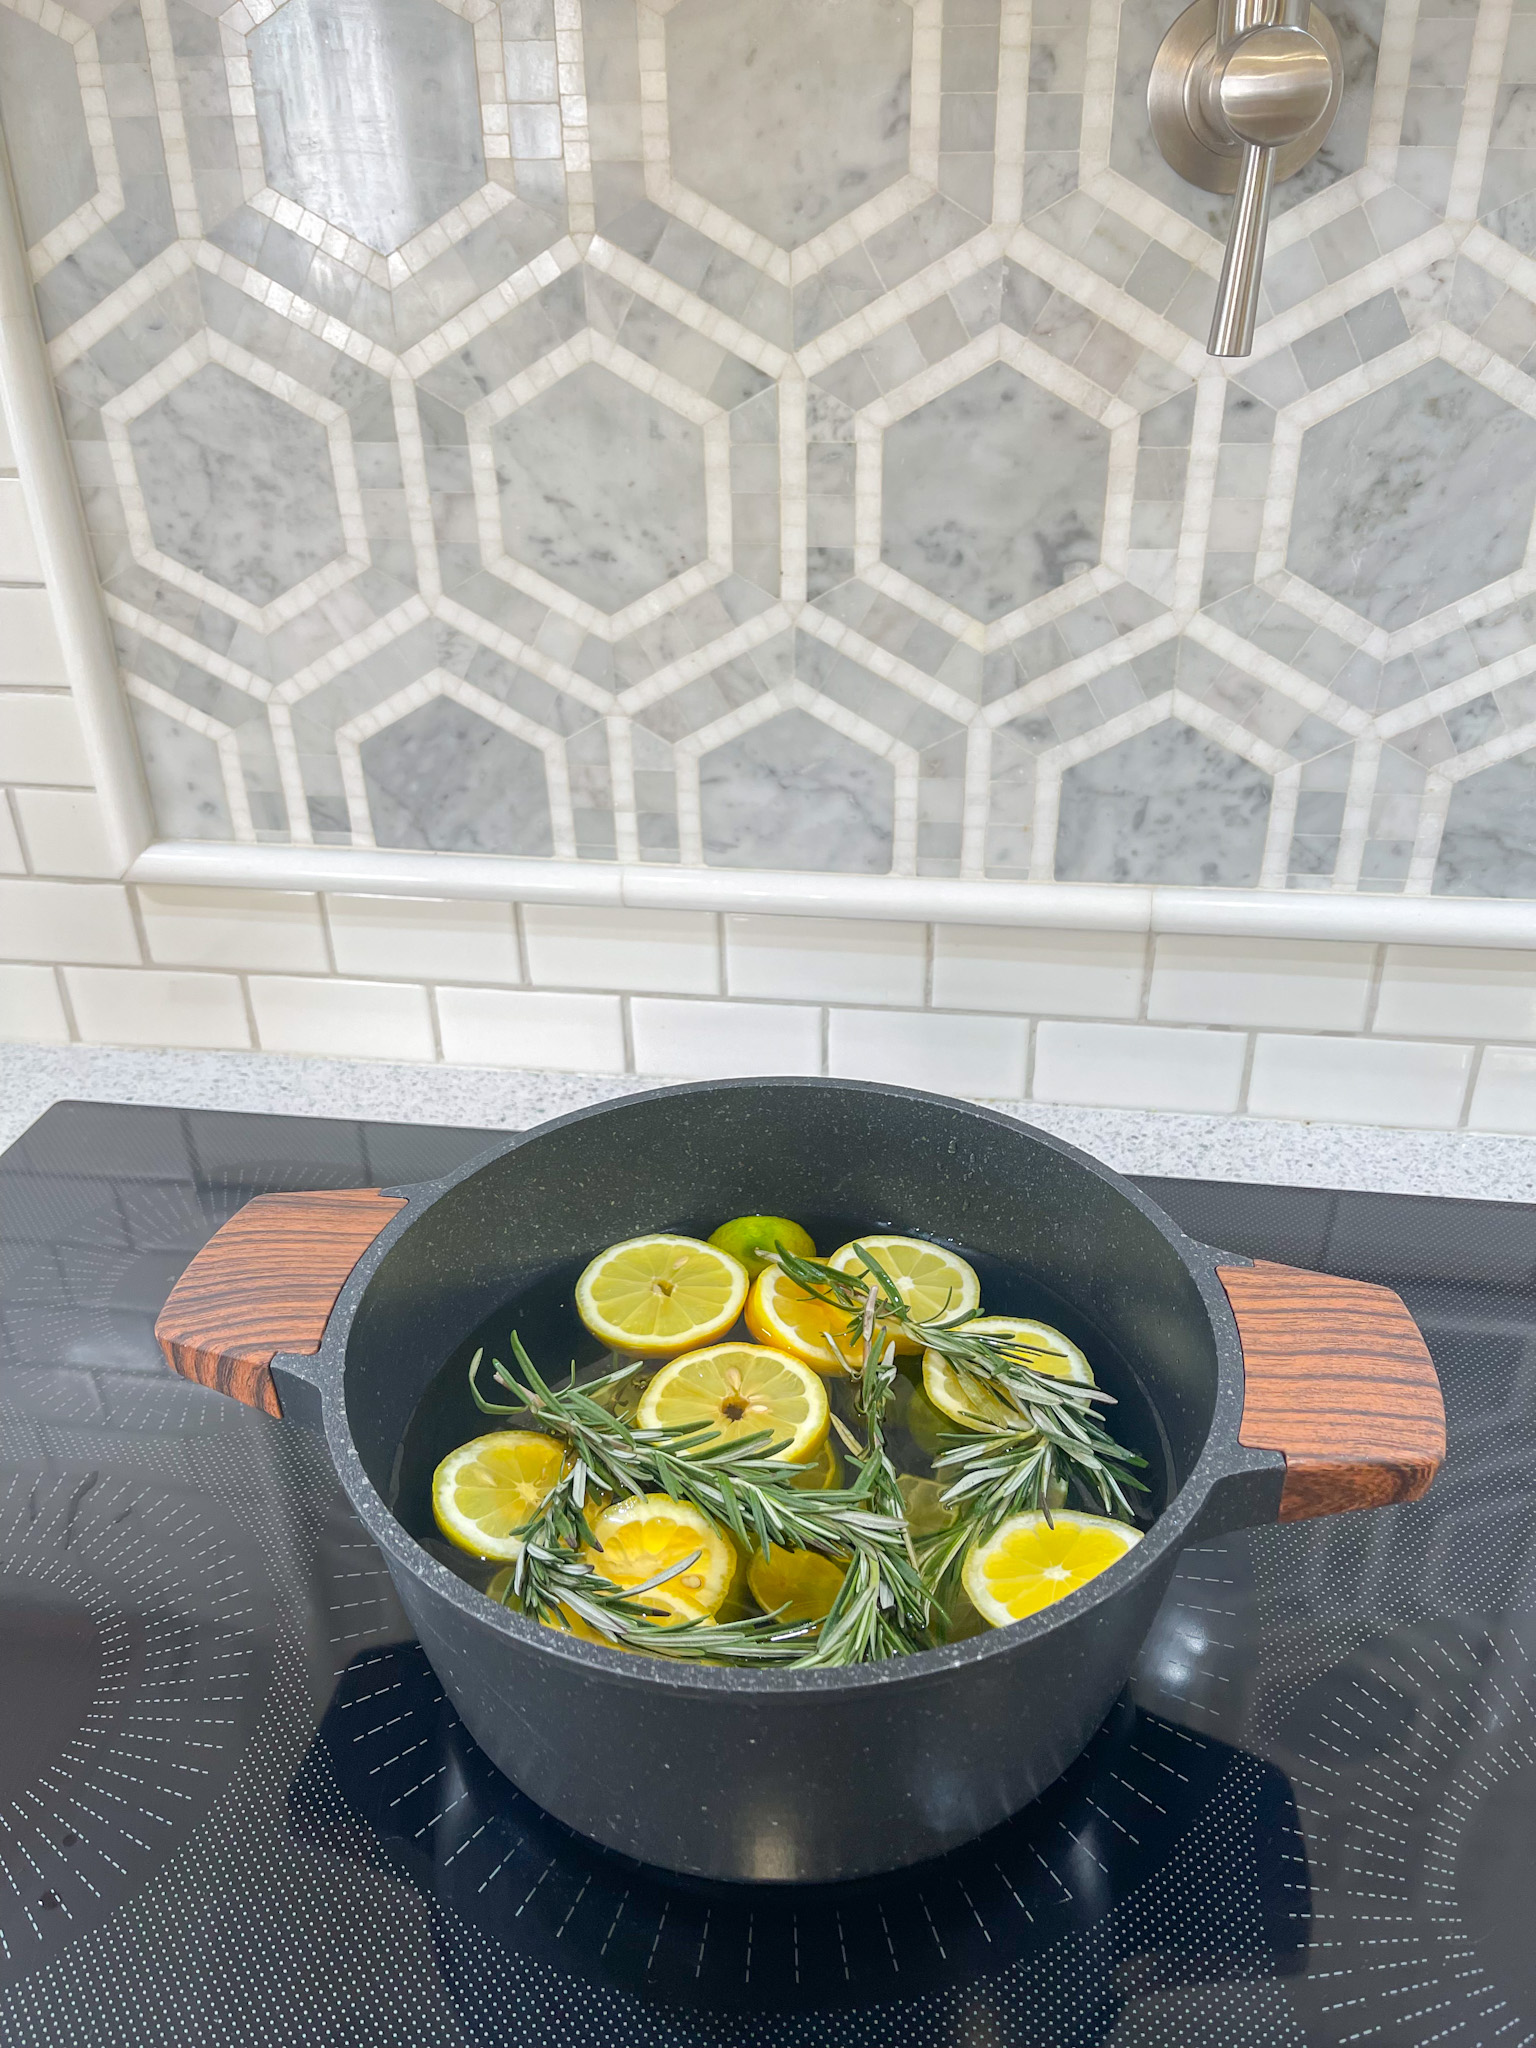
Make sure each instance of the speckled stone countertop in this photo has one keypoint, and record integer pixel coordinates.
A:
(1466, 1163)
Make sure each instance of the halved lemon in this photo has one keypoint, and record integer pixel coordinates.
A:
(739, 1389)
(935, 1283)
(783, 1315)
(1044, 1350)
(823, 1472)
(1031, 1562)
(655, 1296)
(800, 1584)
(636, 1538)
(491, 1486)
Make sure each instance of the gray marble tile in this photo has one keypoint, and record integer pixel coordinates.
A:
(794, 794)
(186, 783)
(445, 778)
(1168, 805)
(602, 488)
(1489, 844)
(237, 484)
(1414, 496)
(994, 492)
(44, 125)
(369, 112)
(789, 116)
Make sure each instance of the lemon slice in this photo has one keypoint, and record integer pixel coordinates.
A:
(752, 1239)
(656, 1296)
(1057, 1355)
(823, 1472)
(800, 1584)
(783, 1315)
(1031, 1562)
(936, 1284)
(739, 1389)
(635, 1539)
(491, 1486)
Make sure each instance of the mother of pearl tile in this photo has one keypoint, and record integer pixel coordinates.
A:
(369, 112)
(1168, 805)
(794, 794)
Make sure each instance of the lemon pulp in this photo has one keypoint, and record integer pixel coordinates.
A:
(635, 1539)
(492, 1486)
(658, 1295)
(800, 1584)
(784, 1315)
(1031, 1562)
(935, 1283)
(740, 1389)
(969, 1404)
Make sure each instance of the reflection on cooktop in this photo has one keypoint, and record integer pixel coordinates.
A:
(235, 1808)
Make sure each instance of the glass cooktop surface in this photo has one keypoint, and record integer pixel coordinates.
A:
(236, 1808)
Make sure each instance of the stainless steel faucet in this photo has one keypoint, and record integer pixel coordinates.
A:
(1242, 94)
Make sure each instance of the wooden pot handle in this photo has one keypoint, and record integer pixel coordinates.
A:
(265, 1283)
(1339, 1380)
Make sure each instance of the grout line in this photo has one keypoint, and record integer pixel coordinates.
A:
(435, 1021)
(67, 1001)
(930, 948)
(326, 937)
(1373, 992)
(1031, 1036)
(140, 929)
(722, 971)
(520, 940)
(1247, 1074)
(825, 1040)
(250, 1010)
(627, 1030)
(1474, 1074)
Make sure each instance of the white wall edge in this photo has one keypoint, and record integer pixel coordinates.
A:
(1225, 913)
(64, 546)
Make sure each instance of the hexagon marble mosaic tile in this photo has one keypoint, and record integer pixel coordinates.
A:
(779, 433)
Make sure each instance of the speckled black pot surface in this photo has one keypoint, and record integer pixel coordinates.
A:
(804, 1776)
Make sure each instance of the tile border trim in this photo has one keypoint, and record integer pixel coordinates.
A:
(918, 899)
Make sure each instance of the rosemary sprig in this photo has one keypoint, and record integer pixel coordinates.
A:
(747, 1488)
(552, 1582)
(1032, 1433)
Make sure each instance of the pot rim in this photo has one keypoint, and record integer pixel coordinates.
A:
(1220, 1456)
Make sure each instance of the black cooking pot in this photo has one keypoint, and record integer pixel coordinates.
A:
(1256, 1392)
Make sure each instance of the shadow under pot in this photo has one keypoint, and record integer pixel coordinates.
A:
(1255, 1392)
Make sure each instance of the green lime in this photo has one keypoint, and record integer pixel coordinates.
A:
(751, 1238)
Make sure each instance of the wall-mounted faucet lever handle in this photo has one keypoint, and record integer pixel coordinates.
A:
(1242, 94)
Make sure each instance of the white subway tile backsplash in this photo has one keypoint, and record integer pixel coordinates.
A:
(76, 921)
(1038, 973)
(673, 952)
(576, 1034)
(708, 1041)
(426, 937)
(40, 737)
(30, 1009)
(952, 1054)
(150, 1006)
(18, 549)
(367, 1020)
(1457, 992)
(65, 832)
(1138, 1066)
(826, 959)
(261, 929)
(1359, 1081)
(1504, 1095)
(29, 643)
(1291, 982)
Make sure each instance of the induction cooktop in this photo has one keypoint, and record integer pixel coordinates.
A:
(236, 1808)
